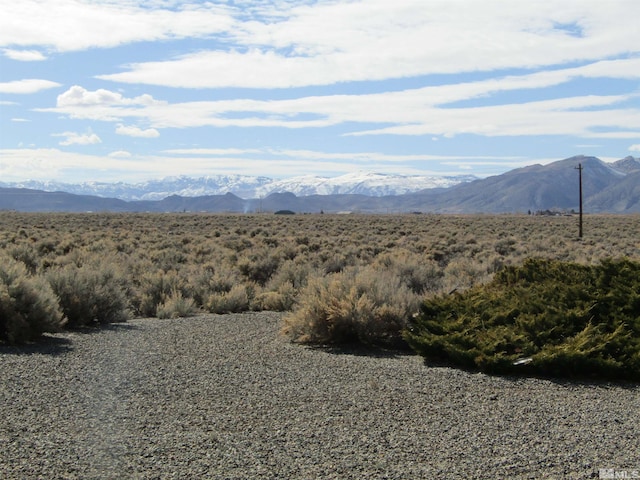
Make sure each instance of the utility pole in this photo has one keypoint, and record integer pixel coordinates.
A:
(579, 168)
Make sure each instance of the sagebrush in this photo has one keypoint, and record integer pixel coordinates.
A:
(356, 305)
(28, 306)
(109, 266)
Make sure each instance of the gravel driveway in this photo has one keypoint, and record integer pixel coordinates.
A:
(226, 397)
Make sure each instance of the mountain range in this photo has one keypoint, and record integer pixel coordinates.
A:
(607, 188)
(247, 187)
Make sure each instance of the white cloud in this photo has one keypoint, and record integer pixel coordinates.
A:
(378, 157)
(24, 55)
(78, 96)
(133, 131)
(280, 44)
(73, 138)
(314, 155)
(120, 154)
(51, 163)
(331, 42)
(122, 166)
(627, 68)
(27, 86)
(422, 111)
(212, 151)
(635, 148)
(72, 25)
(64, 166)
(101, 104)
(20, 120)
(579, 116)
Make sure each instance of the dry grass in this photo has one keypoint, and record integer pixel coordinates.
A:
(180, 263)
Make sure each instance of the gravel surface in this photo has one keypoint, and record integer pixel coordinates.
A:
(224, 396)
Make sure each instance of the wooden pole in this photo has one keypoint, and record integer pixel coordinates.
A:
(579, 168)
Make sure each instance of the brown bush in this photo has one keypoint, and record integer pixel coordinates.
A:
(235, 300)
(28, 306)
(243, 262)
(90, 294)
(176, 306)
(364, 306)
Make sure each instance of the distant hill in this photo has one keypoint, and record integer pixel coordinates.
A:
(607, 188)
(538, 187)
(27, 200)
(623, 197)
(627, 165)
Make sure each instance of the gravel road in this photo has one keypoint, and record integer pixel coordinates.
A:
(226, 397)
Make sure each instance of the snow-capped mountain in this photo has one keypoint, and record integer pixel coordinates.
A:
(363, 183)
(247, 187)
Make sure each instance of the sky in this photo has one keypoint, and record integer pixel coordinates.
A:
(134, 90)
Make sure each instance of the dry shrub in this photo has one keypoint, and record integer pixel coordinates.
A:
(281, 300)
(203, 280)
(27, 255)
(154, 288)
(205, 256)
(90, 294)
(419, 273)
(176, 306)
(463, 273)
(28, 306)
(235, 300)
(357, 305)
(292, 273)
(281, 291)
(259, 266)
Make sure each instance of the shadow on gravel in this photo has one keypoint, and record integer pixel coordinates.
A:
(597, 382)
(110, 327)
(57, 345)
(360, 350)
(583, 382)
(46, 345)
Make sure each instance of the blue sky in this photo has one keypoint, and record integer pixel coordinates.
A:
(133, 90)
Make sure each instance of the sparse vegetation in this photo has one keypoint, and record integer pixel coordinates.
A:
(337, 277)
